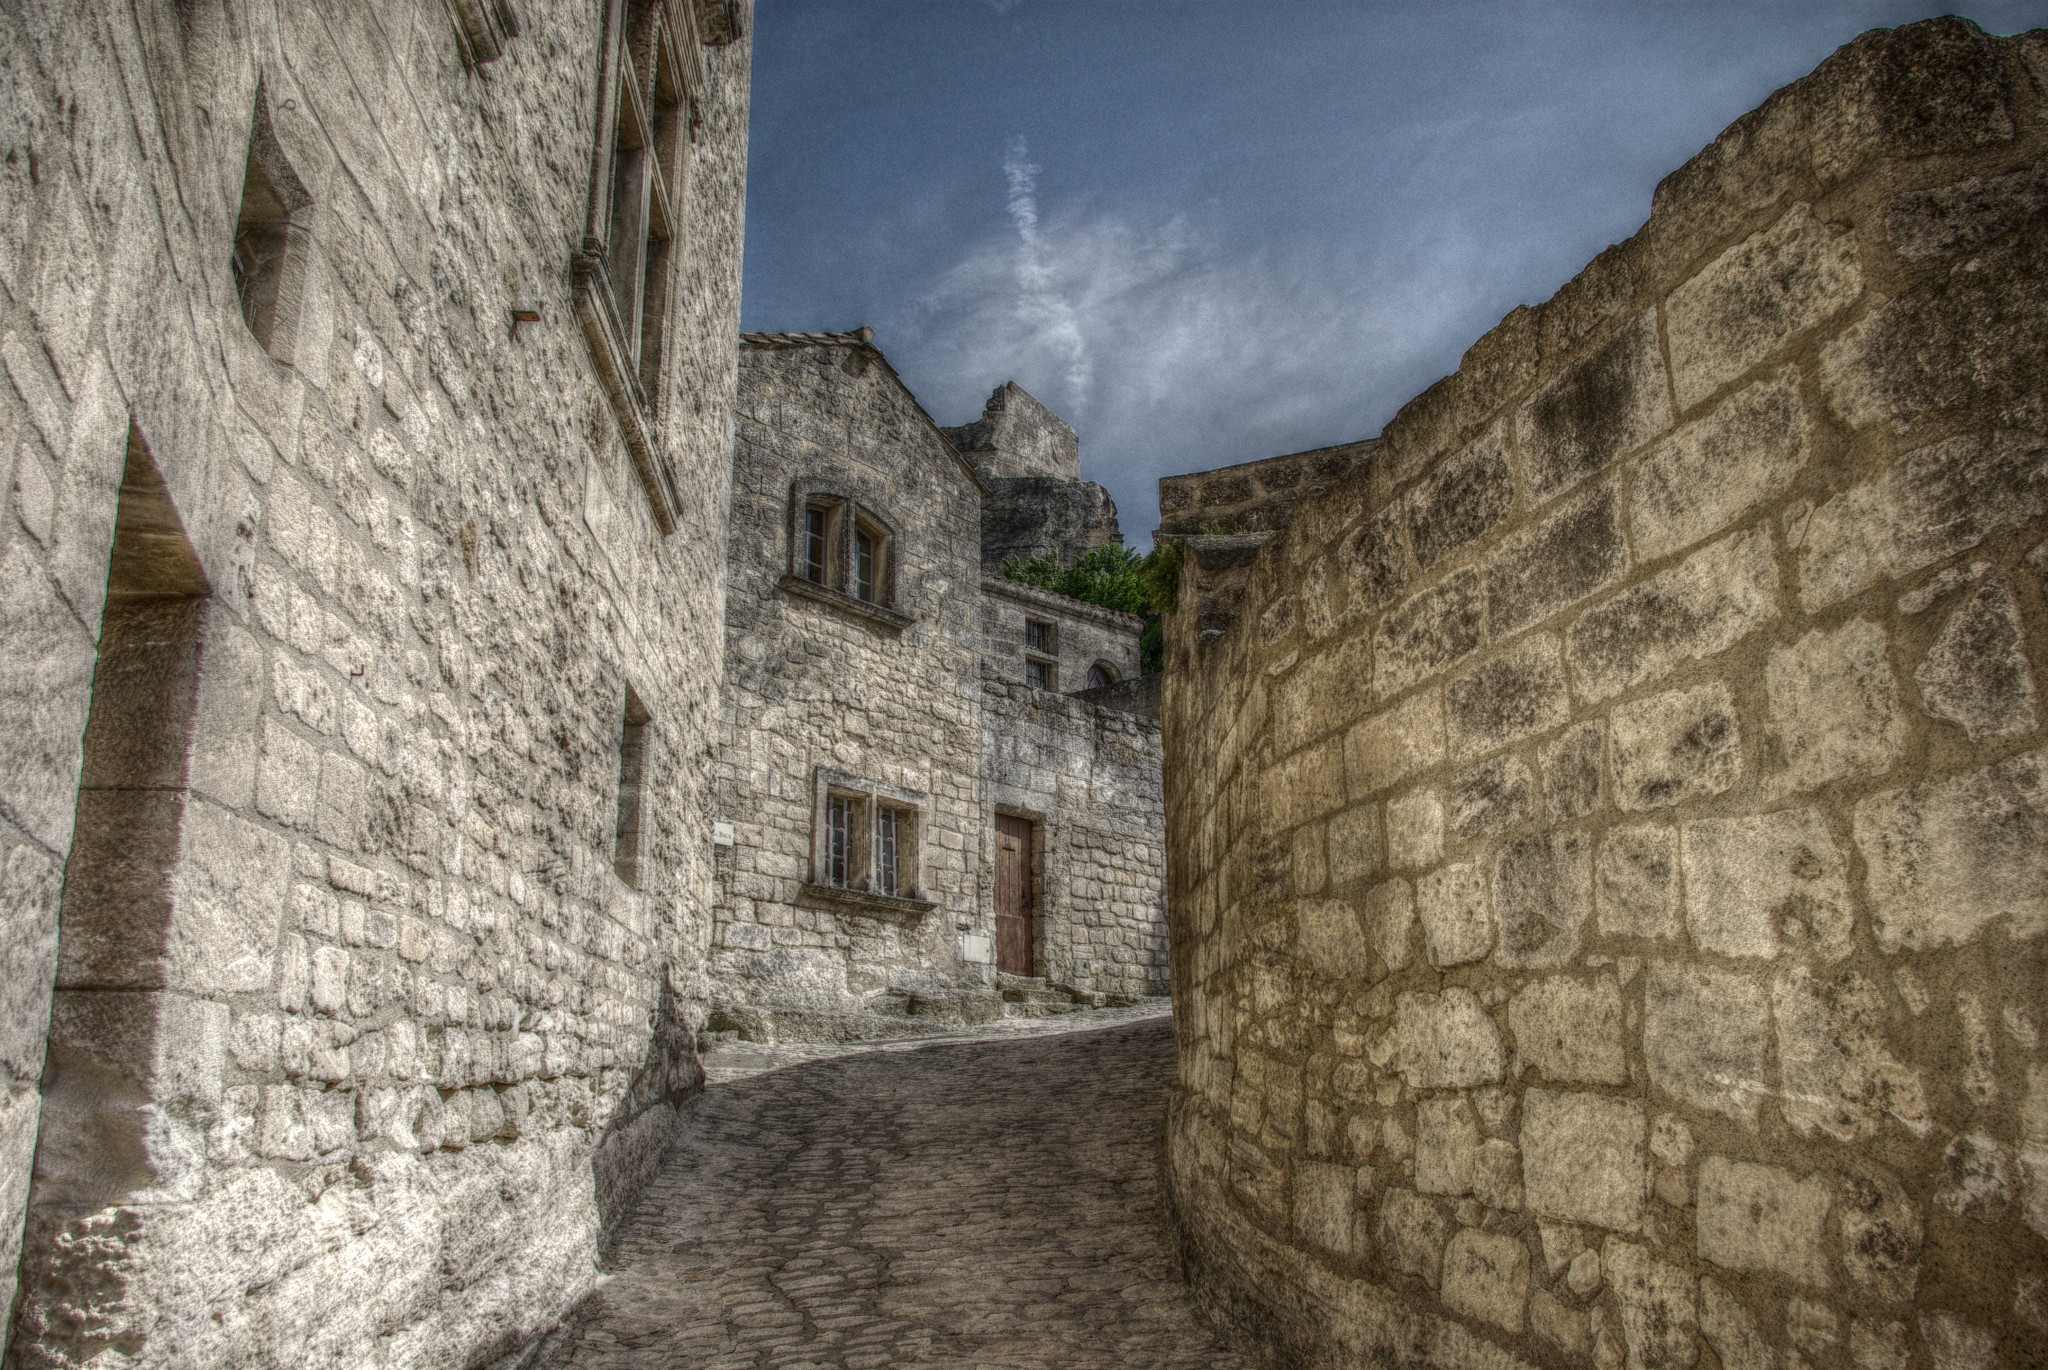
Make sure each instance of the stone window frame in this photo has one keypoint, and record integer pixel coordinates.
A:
(650, 87)
(848, 518)
(855, 887)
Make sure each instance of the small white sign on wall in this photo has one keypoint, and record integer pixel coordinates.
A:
(977, 948)
(721, 832)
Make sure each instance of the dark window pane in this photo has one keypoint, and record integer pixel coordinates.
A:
(838, 839)
(814, 552)
(864, 568)
(1038, 636)
(1038, 674)
(1097, 678)
(885, 850)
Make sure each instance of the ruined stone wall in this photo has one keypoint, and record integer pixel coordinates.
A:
(817, 686)
(1017, 437)
(1035, 516)
(399, 1040)
(1254, 496)
(1089, 777)
(1609, 846)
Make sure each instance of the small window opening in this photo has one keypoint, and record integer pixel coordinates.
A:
(817, 560)
(846, 855)
(1100, 675)
(888, 834)
(1038, 674)
(864, 564)
(264, 259)
(632, 761)
(1038, 636)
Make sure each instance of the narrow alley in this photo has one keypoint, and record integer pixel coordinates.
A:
(986, 1203)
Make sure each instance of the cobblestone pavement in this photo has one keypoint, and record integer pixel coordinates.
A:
(990, 1203)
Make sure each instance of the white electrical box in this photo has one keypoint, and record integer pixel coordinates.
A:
(978, 949)
(721, 833)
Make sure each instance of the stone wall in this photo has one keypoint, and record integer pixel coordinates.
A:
(1083, 634)
(359, 1038)
(1088, 776)
(1609, 844)
(1035, 516)
(1016, 438)
(1254, 496)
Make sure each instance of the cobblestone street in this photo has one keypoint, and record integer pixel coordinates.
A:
(986, 1202)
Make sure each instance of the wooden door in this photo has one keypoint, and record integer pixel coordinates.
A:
(1014, 952)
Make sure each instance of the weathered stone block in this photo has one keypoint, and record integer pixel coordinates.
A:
(1517, 694)
(1635, 882)
(1659, 1314)
(45, 687)
(230, 893)
(1676, 746)
(1576, 551)
(1486, 1276)
(1711, 472)
(1457, 924)
(1461, 499)
(1560, 1324)
(1428, 632)
(1446, 1041)
(1603, 406)
(1753, 299)
(1953, 1344)
(1751, 881)
(1706, 1034)
(1702, 606)
(1492, 797)
(1446, 1146)
(1390, 917)
(1376, 559)
(31, 887)
(1834, 708)
(1394, 744)
(1763, 1220)
(1839, 1075)
(1881, 1237)
(1731, 1331)
(1497, 1177)
(1413, 1232)
(1330, 939)
(1542, 896)
(1930, 504)
(1415, 830)
(1976, 675)
(1583, 1158)
(1323, 1204)
(1569, 1030)
(1948, 857)
(1572, 782)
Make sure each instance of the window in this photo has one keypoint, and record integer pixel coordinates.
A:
(623, 279)
(867, 838)
(1041, 668)
(1100, 675)
(632, 758)
(267, 259)
(842, 546)
(817, 557)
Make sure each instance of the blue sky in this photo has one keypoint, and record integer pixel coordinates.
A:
(1207, 231)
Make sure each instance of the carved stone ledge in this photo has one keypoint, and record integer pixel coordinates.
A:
(876, 614)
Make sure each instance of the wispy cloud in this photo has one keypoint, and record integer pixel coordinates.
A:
(1170, 350)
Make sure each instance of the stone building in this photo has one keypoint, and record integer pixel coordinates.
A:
(1608, 829)
(917, 798)
(365, 444)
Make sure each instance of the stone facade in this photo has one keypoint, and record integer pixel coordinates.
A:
(1608, 831)
(1036, 504)
(908, 687)
(365, 449)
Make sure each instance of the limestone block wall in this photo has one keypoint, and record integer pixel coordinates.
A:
(1609, 845)
(360, 1037)
(1084, 634)
(1254, 496)
(814, 687)
(1089, 777)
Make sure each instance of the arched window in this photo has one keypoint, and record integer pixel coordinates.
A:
(1100, 674)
